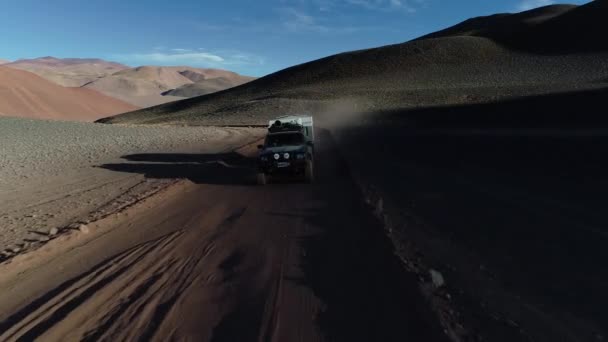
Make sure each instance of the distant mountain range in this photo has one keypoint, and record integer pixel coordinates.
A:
(138, 87)
(151, 85)
(68, 72)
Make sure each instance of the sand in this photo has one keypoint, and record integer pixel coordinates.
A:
(215, 258)
(68, 72)
(24, 94)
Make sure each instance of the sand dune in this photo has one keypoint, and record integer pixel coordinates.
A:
(144, 86)
(68, 72)
(24, 94)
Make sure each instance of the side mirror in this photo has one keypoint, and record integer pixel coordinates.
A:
(260, 147)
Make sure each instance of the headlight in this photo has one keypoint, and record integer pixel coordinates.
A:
(286, 156)
(276, 156)
(300, 156)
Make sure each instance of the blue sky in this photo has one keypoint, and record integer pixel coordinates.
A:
(249, 37)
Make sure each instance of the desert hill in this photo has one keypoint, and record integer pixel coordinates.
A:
(25, 94)
(206, 86)
(68, 72)
(502, 25)
(144, 86)
(470, 62)
(551, 29)
(141, 86)
(4, 61)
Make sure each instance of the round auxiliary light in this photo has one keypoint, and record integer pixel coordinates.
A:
(286, 156)
(277, 156)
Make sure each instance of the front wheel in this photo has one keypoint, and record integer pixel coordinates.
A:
(262, 178)
(309, 175)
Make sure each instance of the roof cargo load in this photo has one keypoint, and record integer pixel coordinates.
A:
(288, 123)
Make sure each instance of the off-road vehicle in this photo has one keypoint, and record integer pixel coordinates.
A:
(288, 149)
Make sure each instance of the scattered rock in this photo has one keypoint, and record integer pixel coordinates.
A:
(437, 278)
(83, 228)
(53, 231)
(74, 226)
(16, 250)
(44, 239)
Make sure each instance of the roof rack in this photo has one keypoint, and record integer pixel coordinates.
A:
(279, 126)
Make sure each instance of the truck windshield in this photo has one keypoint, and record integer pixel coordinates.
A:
(275, 140)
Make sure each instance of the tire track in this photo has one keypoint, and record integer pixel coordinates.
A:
(35, 319)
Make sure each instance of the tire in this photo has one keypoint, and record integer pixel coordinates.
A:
(309, 174)
(262, 178)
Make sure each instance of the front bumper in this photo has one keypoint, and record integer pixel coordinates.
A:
(282, 166)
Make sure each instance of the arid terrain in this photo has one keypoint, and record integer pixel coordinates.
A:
(73, 89)
(142, 86)
(212, 257)
(147, 86)
(459, 196)
(68, 72)
(25, 94)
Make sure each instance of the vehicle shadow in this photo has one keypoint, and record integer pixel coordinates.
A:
(220, 168)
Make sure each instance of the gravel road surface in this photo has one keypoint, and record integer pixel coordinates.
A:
(217, 258)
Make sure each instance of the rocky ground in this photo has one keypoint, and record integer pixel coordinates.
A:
(50, 179)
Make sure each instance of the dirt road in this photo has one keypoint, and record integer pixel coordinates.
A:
(216, 258)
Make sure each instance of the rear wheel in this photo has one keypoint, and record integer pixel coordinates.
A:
(262, 178)
(309, 175)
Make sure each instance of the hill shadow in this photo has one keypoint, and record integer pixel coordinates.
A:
(220, 168)
(582, 109)
(520, 184)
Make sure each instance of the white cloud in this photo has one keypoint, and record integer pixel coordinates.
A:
(384, 5)
(180, 56)
(340, 5)
(525, 5)
(297, 21)
(176, 57)
(203, 26)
